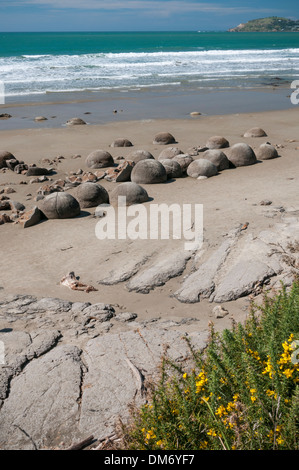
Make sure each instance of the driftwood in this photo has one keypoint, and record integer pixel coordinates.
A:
(72, 282)
(80, 445)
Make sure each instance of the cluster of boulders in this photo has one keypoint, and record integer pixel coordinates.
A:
(138, 168)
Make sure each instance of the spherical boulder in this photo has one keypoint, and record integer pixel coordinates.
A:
(91, 194)
(133, 192)
(75, 122)
(138, 155)
(164, 138)
(122, 143)
(217, 157)
(255, 132)
(99, 159)
(173, 168)
(217, 142)
(201, 167)
(169, 153)
(4, 155)
(184, 161)
(59, 205)
(242, 155)
(148, 172)
(266, 152)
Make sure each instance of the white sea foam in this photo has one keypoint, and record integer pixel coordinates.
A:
(37, 74)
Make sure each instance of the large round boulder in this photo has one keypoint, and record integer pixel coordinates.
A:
(255, 132)
(201, 167)
(266, 152)
(138, 155)
(169, 153)
(183, 160)
(242, 155)
(91, 195)
(59, 205)
(4, 155)
(148, 172)
(217, 142)
(164, 138)
(99, 159)
(173, 168)
(217, 157)
(121, 143)
(133, 192)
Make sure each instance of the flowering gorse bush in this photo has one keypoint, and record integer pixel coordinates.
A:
(242, 391)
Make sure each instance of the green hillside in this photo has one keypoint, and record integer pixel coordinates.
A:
(270, 24)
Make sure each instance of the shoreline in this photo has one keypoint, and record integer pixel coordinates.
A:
(105, 107)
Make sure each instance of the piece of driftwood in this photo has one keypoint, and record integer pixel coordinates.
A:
(72, 282)
(80, 445)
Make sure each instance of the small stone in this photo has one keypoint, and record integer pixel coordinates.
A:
(40, 118)
(125, 316)
(220, 311)
(265, 202)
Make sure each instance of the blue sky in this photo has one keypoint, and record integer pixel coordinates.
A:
(133, 15)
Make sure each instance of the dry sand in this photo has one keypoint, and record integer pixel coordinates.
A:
(33, 260)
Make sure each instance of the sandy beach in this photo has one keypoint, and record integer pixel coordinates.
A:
(75, 360)
(34, 260)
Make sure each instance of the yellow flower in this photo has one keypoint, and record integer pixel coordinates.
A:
(221, 411)
(288, 373)
(212, 433)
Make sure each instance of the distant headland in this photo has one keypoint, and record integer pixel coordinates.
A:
(268, 25)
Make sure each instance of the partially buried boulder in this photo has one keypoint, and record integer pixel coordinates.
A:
(59, 206)
(255, 132)
(217, 142)
(75, 122)
(122, 143)
(169, 153)
(138, 155)
(201, 167)
(266, 152)
(4, 155)
(173, 168)
(133, 192)
(148, 172)
(164, 138)
(99, 159)
(91, 195)
(217, 157)
(242, 155)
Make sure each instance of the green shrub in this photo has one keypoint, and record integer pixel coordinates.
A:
(242, 391)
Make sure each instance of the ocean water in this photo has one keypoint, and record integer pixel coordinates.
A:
(34, 65)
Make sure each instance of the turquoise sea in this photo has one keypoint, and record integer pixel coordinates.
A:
(37, 64)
